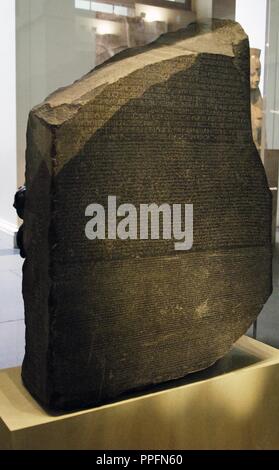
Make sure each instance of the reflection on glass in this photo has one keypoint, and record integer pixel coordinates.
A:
(60, 41)
(119, 24)
(82, 4)
(102, 7)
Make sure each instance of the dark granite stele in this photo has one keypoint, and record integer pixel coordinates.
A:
(166, 123)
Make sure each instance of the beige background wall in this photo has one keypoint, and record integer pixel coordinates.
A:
(271, 89)
(7, 116)
(214, 8)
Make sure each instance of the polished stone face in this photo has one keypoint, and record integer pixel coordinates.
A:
(168, 123)
(255, 71)
(256, 97)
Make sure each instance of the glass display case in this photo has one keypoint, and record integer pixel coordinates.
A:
(48, 44)
(58, 42)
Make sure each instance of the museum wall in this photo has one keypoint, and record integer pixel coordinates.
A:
(223, 9)
(7, 115)
(203, 8)
(271, 81)
(214, 9)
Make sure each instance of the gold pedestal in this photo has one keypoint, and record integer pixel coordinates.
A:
(233, 405)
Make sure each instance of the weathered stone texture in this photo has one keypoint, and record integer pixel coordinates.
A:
(166, 123)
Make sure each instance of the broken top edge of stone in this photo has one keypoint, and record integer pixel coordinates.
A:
(212, 36)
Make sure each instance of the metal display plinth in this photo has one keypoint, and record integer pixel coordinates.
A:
(232, 405)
